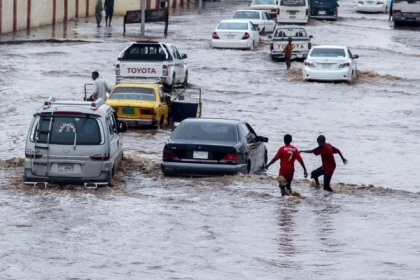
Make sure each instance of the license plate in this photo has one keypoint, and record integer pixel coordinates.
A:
(128, 111)
(66, 168)
(370, 2)
(230, 36)
(200, 155)
(321, 12)
(326, 66)
(292, 17)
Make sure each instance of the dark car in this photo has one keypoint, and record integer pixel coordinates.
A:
(324, 9)
(200, 147)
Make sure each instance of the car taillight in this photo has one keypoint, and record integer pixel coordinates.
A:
(33, 154)
(147, 111)
(165, 70)
(168, 155)
(271, 46)
(360, 2)
(230, 158)
(309, 64)
(307, 12)
(344, 65)
(246, 36)
(380, 2)
(103, 156)
(215, 35)
(309, 45)
(273, 10)
(117, 69)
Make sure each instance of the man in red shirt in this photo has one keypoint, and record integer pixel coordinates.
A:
(287, 155)
(326, 151)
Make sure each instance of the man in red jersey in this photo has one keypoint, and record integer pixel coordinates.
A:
(326, 151)
(287, 155)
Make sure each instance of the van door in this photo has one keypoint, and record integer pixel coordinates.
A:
(115, 145)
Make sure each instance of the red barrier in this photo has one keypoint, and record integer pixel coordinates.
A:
(87, 8)
(54, 11)
(1, 15)
(66, 9)
(77, 9)
(14, 15)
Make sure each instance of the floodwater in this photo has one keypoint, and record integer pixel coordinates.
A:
(236, 227)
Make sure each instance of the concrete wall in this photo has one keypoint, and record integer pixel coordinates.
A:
(18, 15)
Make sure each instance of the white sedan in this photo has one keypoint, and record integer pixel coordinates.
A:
(259, 18)
(236, 34)
(330, 63)
(372, 6)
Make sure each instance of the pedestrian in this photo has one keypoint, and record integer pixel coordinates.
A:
(391, 4)
(100, 87)
(287, 155)
(98, 12)
(326, 151)
(288, 52)
(109, 10)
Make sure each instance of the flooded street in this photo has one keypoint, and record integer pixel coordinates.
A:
(235, 227)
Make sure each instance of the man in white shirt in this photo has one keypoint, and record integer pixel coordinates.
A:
(100, 88)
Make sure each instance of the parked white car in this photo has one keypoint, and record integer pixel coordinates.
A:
(236, 34)
(330, 63)
(372, 6)
(270, 6)
(259, 18)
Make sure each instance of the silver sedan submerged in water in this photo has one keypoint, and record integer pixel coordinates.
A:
(201, 147)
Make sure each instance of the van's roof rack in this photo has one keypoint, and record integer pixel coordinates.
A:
(94, 105)
(146, 41)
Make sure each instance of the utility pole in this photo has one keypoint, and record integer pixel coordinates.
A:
(143, 16)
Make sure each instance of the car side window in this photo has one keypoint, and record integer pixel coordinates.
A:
(264, 16)
(249, 135)
(176, 53)
(112, 125)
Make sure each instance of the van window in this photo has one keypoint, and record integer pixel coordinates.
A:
(293, 3)
(67, 130)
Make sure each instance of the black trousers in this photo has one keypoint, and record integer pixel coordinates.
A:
(327, 178)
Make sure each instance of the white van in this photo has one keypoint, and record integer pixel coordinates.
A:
(293, 11)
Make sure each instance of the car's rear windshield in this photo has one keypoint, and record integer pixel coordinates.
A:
(290, 32)
(233, 26)
(145, 52)
(213, 132)
(263, 2)
(292, 3)
(328, 52)
(133, 93)
(67, 130)
(246, 14)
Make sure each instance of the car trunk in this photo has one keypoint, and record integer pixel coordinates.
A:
(201, 153)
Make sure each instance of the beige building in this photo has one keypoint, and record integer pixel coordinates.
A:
(18, 15)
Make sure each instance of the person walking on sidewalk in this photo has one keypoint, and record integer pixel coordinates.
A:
(98, 13)
(326, 151)
(287, 155)
(288, 53)
(109, 10)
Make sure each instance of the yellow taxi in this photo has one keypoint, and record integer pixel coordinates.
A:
(140, 104)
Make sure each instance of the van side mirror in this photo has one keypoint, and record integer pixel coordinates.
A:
(270, 37)
(263, 139)
(183, 56)
(122, 126)
(355, 56)
(310, 36)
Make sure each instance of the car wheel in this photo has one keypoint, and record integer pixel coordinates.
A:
(186, 80)
(251, 48)
(161, 122)
(173, 83)
(110, 177)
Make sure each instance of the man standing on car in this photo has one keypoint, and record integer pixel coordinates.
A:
(287, 155)
(326, 151)
(100, 87)
(288, 52)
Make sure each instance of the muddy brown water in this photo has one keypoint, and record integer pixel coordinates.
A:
(148, 226)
